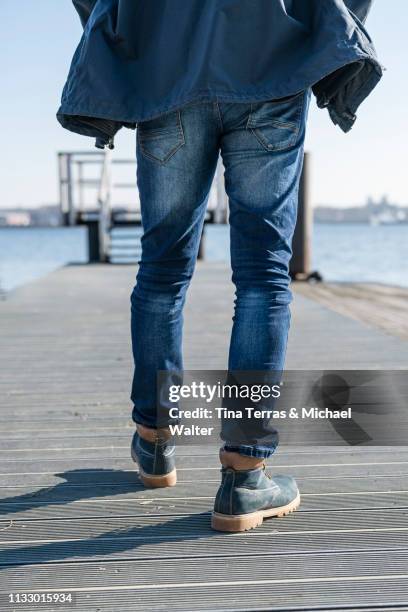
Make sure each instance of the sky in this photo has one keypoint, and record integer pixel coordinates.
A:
(38, 38)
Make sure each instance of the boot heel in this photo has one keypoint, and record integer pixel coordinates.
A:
(241, 522)
(157, 482)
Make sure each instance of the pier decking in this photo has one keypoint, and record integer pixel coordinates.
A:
(74, 518)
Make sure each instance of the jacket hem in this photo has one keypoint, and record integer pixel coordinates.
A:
(104, 109)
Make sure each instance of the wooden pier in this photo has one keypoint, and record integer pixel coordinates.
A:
(74, 517)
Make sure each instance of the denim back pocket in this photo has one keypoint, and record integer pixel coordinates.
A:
(161, 137)
(276, 123)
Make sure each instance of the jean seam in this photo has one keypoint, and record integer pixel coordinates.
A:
(218, 111)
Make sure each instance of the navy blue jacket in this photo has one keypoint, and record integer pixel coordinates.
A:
(138, 59)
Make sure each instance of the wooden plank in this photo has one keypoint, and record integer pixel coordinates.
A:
(165, 505)
(322, 581)
(73, 513)
(382, 306)
(95, 465)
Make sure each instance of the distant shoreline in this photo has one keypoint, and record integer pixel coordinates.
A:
(315, 221)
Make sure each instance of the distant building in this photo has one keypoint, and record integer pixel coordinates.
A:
(374, 213)
(43, 216)
(16, 218)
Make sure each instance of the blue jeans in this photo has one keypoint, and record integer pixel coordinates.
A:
(261, 145)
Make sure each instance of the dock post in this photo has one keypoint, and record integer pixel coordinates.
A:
(300, 265)
(70, 199)
(104, 202)
(65, 188)
(80, 171)
(201, 247)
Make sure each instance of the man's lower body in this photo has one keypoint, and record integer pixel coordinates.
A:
(261, 145)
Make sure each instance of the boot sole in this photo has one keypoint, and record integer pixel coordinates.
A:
(152, 481)
(157, 482)
(244, 522)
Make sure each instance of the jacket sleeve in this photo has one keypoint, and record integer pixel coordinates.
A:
(84, 9)
(360, 8)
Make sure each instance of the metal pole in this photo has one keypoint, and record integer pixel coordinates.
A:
(60, 160)
(80, 166)
(62, 184)
(69, 191)
(104, 201)
(300, 264)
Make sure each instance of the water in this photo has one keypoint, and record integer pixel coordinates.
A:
(344, 252)
(362, 253)
(341, 252)
(28, 253)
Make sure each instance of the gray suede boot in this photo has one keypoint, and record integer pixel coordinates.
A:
(154, 452)
(247, 496)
